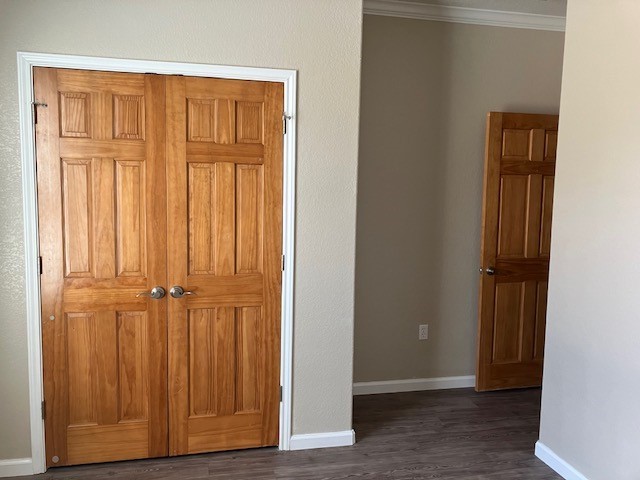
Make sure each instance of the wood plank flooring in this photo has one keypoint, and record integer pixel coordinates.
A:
(447, 434)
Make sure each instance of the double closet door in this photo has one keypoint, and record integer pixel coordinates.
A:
(160, 223)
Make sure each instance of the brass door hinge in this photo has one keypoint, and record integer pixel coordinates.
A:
(43, 406)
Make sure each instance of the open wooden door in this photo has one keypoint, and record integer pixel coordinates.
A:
(101, 202)
(516, 234)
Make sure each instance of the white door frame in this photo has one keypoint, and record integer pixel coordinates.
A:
(26, 62)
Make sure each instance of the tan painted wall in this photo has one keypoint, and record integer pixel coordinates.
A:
(426, 88)
(319, 38)
(590, 393)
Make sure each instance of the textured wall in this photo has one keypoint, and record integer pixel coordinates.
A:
(322, 40)
(426, 89)
(590, 388)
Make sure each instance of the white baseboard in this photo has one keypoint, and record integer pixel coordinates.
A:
(561, 467)
(322, 440)
(413, 385)
(16, 467)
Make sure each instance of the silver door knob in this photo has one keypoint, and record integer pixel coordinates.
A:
(490, 271)
(178, 292)
(156, 293)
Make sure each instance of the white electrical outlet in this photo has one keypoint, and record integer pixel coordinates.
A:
(423, 332)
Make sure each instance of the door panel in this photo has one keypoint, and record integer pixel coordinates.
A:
(516, 236)
(101, 189)
(224, 144)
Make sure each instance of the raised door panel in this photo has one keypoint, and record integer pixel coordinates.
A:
(131, 245)
(249, 239)
(128, 117)
(507, 326)
(77, 196)
(132, 366)
(516, 144)
(512, 227)
(225, 159)
(100, 158)
(75, 119)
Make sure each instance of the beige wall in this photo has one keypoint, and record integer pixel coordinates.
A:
(426, 88)
(590, 394)
(319, 38)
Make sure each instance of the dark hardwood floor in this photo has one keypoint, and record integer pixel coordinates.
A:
(448, 434)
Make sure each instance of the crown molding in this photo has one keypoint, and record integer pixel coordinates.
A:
(474, 16)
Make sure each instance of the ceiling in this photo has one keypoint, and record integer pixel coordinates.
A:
(540, 7)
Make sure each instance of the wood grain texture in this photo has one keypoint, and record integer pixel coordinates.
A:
(177, 263)
(156, 262)
(112, 227)
(54, 356)
(131, 218)
(448, 434)
(225, 121)
(250, 196)
(201, 217)
(224, 234)
(516, 232)
(77, 195)
(128, 116)
(225, 202)
(75, 116)
(250, 122)
(105, 218)
(104, 348)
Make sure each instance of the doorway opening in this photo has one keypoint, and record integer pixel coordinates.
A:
(128, 121)
(426, 89)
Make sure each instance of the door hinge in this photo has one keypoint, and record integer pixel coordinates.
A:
(43, 406)
(34, 107)
(285, 117)
(282, 263)
(40, 265)
(280, 392)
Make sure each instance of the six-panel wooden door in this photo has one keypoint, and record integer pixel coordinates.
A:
(145, 181)
(516, 236)
(101, 200)
(224, 154)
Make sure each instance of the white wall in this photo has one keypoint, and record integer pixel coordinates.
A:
(319, 38)
(591, 388)
(426, 89)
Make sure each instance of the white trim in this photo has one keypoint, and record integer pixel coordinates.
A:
(562, 468)
(475, 16)
(16, 467)
(288, 249)
(26, 62)
(308, 441)
(31, 253)
(413, 385)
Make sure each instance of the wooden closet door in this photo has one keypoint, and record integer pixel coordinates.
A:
(102, 223)
(224, 153)
(516, 236)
